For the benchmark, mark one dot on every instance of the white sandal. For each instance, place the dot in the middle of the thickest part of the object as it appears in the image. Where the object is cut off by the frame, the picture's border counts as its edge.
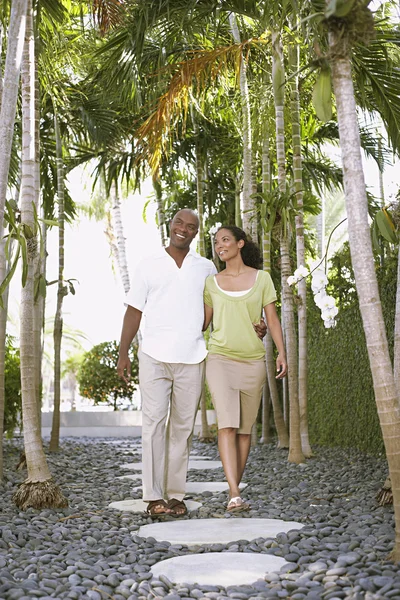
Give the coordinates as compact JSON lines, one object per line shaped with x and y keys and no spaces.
{"x":236,"y":504}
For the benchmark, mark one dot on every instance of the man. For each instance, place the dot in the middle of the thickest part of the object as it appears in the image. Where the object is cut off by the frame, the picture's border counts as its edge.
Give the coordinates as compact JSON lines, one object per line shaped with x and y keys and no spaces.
{"x":168,"y":290}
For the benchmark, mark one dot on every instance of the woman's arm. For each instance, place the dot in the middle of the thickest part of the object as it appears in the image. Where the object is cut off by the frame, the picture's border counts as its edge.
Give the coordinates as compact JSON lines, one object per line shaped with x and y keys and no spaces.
{"x":208,"y":314}
{"x":274,"y":325}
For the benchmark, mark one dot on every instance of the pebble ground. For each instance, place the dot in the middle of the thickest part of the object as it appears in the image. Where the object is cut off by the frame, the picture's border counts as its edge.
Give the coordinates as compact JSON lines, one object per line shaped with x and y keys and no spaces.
{"x":89,"y":551}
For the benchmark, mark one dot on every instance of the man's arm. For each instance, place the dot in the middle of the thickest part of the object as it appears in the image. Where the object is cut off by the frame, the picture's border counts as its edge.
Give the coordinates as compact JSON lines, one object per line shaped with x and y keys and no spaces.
{"x":208,"y":314}
{"x":130,"y":327}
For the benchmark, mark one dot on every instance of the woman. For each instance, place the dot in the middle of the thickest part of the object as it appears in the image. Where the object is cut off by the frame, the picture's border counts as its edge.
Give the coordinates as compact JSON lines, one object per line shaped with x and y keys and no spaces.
{"x":235,"y":367}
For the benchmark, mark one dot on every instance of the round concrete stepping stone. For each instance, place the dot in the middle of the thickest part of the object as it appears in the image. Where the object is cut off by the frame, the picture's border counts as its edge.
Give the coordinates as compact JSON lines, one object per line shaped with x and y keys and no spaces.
{"x":205,"y":464}
{"x":225,"y":569}
{"x":198,"y":457}
{"x":140,"y":505}
{"x":195,"y":464}
{"x":216,"y":531}
{"x":195,"y":487}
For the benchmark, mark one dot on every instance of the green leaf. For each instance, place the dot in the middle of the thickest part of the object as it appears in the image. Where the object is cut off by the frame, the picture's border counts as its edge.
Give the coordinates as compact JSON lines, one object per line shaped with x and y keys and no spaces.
{"x":375,"y":238}
{"x":50,"y":222}
{"x":42,"y":286}
{"x":9,"y":276}
{"x":322,"y":95}
{"x":386,"y":226}
{"x":24,"y":251}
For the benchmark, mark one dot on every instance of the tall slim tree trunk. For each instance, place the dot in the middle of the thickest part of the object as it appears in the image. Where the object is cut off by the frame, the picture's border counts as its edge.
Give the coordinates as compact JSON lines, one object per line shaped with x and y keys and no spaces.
{"x":295,"y":451}
{"x":119,"y":234}
{"x":3,"y":310}
{"x":300,"y":247}
{"x":38,"y":490}
{"x":200,"y":180}
{"x":58,"y":320}
{"x":249,"y":215}
{"x":40,"y":270}
{"x":270,"y":395}
{"x":386,"y":397}
{"x":396,"y":358}
{"x":15,"y":44}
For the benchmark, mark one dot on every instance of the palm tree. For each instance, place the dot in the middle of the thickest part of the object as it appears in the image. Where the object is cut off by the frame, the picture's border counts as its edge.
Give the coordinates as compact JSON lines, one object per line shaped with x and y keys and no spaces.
{"x":294,"y":62}
{"x":61,"y":290}
{"x":249,"y":210}
{"x":386,"y":396}
{"x":38,"y":490}
{"x":295,"y":451}
{"x":15,"y":37}
{"x":272,"y":393}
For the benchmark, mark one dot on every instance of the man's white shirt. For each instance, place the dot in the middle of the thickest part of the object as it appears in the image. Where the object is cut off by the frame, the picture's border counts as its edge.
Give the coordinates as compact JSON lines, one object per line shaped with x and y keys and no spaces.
{"x":171,"y":300}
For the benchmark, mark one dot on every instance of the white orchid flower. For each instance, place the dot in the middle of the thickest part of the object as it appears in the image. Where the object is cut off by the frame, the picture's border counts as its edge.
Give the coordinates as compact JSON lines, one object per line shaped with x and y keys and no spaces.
{"x":301,"y":272}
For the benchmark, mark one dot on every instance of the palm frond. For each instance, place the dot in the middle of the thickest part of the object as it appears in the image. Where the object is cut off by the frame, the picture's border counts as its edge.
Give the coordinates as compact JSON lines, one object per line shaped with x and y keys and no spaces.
{"x":107,"y":13}
{"x":377,"y":73}
{"x":154,"y":135}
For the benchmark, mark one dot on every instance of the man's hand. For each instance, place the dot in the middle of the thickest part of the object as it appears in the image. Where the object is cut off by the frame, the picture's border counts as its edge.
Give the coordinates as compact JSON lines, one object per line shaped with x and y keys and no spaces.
{"x":124,"y":368}
{"x":260,"y":328}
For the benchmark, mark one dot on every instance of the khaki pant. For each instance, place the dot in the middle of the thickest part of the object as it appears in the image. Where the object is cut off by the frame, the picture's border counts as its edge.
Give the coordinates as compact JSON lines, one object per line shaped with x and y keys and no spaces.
{"x":169,"y":391}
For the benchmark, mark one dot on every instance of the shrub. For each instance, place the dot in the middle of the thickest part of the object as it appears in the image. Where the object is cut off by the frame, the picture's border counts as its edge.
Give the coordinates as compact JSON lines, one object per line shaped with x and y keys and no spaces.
{"x":98,"y":379}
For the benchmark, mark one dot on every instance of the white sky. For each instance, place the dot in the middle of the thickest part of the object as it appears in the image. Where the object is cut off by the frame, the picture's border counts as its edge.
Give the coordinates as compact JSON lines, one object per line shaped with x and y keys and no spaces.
{"x":97,"y":307}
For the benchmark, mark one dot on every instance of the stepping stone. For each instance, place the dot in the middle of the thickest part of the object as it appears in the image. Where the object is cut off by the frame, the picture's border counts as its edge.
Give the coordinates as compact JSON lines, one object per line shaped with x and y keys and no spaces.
{"x":195,"y":487}
{"x":195,"y":464}
{"x":225,"y":569}
{"x":198,"y":457}
{"x":140,"y":505}
{"x":205,"y":464}
{"x":216,"y":531}
{"x":137,"y":476}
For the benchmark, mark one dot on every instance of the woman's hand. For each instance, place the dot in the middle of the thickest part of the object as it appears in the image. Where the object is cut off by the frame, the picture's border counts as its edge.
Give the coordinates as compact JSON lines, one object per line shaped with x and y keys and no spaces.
{"x":281,"y":366}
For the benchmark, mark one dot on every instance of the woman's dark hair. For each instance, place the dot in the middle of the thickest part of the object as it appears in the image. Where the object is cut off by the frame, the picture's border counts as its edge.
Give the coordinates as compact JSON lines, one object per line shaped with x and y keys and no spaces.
{"x":251,"y":254}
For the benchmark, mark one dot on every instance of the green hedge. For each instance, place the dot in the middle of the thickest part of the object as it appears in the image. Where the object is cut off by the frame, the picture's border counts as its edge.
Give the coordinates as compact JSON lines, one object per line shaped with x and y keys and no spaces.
{"x":341,"y":404}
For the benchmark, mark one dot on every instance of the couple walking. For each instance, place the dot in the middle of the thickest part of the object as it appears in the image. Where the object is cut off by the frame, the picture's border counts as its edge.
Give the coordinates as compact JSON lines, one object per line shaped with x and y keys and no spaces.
{"x":178,"y":293}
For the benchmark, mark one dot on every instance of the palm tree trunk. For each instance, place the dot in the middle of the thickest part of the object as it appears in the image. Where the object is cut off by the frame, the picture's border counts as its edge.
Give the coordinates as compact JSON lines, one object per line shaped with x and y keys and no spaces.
{"x":272,"y":395}
{"x":249,"y":206}
{"x":58,"y":320}
{"x":15,"y":37}
{"x":3,"y":310}
{"x":200,"y":179}
{"x":39,"y":302}
{"x":364,"y":271}
{"x":294,"y":60}
{"x":295,"y":451}
{"x":119,"y":233}
{"x":3,"y":329}
{"x":396,"y":358}
{"x":38,"y":490}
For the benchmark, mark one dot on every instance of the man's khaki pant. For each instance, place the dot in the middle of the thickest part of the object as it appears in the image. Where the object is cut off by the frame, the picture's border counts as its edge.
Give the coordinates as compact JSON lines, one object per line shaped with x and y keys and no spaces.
{"x":169,"y":391}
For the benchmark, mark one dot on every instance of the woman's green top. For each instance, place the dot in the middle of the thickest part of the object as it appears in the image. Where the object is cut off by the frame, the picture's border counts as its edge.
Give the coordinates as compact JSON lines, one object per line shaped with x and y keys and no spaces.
{"x":233,"y":334}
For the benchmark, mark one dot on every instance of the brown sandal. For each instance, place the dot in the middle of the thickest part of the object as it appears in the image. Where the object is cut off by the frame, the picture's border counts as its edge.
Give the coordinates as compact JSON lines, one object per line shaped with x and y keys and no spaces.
{"x":174,"y":505}
{"x":153,"y":513}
